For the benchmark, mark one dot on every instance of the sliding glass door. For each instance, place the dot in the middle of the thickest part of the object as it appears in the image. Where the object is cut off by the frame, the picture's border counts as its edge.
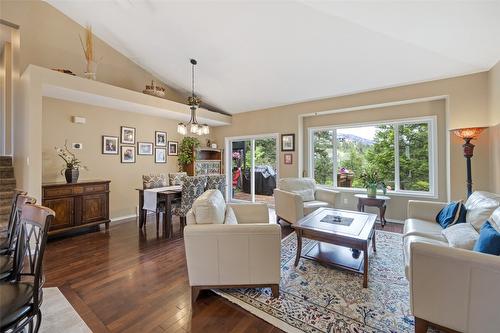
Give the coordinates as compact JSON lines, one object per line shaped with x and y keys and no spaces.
{"x":253,"y":168}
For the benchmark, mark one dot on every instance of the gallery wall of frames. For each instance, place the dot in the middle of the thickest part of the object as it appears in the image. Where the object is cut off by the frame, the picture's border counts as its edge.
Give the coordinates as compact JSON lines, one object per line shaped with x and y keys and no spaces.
{"x":128,"y":148}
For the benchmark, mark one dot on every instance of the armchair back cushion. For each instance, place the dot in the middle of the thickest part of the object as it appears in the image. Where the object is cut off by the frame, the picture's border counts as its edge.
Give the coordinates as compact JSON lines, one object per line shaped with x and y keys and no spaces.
{"x":209,"y":208}
{"x":304,"y":187}
{"x":480,"y":206}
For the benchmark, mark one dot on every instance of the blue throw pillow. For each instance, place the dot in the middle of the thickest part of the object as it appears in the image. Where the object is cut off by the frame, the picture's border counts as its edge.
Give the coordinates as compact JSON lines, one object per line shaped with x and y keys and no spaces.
{"x":488,"y":241}
{"x":453,"y":213}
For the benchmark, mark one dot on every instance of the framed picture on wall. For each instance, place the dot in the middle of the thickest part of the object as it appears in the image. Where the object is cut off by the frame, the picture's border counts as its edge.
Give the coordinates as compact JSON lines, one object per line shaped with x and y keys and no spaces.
{"x":287,"y":142}
{"x":160,"y":155}
{"x":109,"y":145}
{"x":127,"y":135}
{"x":161,"y":139}
{"x":172,"y":148}
{"x":144,"y":148}
{"x":288,"y":158}
{"x":127,"y":154}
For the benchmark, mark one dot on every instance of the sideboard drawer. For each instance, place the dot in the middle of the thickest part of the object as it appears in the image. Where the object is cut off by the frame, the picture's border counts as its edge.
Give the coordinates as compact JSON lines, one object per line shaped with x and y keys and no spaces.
{"x":57,"y":192}
{"x":95,"y":188}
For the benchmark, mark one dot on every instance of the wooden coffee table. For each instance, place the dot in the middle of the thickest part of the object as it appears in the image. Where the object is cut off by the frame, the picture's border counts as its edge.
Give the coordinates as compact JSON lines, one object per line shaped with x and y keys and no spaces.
{"x":342,"y":235}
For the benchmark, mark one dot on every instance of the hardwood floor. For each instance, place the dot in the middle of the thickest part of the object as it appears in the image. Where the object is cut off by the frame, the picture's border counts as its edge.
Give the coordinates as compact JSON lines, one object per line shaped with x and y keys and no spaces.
{"x":125,"y":280}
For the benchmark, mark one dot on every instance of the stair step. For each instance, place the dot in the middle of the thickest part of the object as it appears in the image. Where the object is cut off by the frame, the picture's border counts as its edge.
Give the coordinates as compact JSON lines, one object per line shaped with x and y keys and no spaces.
{"x":5,"y":210}
{"x":6,"y":195}
{"x":5,"y":160}
{"x":6,"y":172}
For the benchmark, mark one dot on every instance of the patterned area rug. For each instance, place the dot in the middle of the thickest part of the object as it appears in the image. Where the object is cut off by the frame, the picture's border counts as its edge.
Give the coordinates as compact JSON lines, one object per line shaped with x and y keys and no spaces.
{"x":315,"y":298}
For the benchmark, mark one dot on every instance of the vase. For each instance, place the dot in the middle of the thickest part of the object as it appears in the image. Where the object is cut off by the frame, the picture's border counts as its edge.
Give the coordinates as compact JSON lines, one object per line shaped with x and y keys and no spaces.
{"x":371,"y":191}
{"x":71,"y":175}
{"x":91,"y":69}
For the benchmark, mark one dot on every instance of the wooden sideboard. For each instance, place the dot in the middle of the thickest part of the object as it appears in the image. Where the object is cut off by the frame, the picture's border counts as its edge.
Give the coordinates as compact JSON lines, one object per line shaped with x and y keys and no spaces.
{"x":77,"y":205}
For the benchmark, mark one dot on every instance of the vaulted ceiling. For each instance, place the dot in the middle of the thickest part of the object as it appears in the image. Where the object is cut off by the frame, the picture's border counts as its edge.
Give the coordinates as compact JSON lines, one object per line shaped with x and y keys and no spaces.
{"x":259,"y":54}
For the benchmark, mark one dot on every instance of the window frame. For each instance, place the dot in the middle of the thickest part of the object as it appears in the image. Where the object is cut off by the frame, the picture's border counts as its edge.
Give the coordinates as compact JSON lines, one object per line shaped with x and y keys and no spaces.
{"x":433,"y":154}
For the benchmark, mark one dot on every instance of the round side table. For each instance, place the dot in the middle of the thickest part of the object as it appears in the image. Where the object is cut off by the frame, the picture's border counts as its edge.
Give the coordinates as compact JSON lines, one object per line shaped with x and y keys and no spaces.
{"x":379,"y":201}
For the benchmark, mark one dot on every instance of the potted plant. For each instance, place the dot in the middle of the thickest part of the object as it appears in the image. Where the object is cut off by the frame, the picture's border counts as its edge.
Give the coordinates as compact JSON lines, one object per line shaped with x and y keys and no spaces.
{"x":371,"y":181}
{"x":73,"y":164}
{"x":186,"y":152}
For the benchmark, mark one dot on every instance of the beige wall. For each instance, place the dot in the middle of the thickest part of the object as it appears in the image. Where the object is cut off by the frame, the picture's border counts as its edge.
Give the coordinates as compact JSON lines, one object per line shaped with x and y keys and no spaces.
{"x":57,"y":127}
{"x":50,"y":39}
{"x":466,"y":105}
{"x":494,"y":131}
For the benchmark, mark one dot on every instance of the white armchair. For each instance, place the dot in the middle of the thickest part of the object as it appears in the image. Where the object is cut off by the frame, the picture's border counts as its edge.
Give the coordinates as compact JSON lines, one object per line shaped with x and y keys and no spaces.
{"x":296,"y":197}
{"x":246,"y":254}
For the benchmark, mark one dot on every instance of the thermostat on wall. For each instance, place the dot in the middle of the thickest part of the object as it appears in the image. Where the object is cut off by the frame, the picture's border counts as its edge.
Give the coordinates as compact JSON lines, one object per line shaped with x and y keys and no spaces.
{"x":78,"y":120}
{"x":77,"y":146}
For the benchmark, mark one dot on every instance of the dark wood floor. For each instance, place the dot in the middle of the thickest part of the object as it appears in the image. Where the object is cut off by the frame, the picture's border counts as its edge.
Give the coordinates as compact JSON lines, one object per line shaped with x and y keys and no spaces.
{"x":125,"y":280}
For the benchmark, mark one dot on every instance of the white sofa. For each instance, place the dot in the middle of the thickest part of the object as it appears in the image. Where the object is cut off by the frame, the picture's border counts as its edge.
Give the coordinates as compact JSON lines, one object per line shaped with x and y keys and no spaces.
{"x":451,"y":287}
{"x":219,"y":255}
{"x":296,"y":197}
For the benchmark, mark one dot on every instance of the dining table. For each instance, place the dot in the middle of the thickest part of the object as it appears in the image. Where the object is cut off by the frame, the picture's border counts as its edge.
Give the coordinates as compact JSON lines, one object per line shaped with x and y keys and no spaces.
{"x":167,"y":197}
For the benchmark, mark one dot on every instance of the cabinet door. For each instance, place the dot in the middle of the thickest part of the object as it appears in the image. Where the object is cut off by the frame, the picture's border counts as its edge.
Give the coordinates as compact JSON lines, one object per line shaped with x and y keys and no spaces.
{"x":94,"y":207}
{"x":64,"y":209}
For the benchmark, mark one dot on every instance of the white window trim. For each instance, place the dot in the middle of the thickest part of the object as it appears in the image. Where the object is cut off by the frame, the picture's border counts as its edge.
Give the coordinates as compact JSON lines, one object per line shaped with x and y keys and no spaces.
{"x":433,"y":154}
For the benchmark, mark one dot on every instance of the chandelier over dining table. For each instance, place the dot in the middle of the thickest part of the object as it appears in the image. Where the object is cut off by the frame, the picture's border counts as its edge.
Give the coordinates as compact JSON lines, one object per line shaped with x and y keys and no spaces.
{"x":194,"y":103}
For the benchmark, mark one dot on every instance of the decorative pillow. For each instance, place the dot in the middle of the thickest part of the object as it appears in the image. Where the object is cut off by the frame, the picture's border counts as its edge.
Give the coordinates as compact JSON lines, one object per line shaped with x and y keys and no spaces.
{"x":307,"y":195}
{"x":209,"y":208}
{"x":480,"y":205}
{"x":230,"y":216}
{"x":454,"y":212}
{"x":489,"y":240}
{"x":461,"y":235}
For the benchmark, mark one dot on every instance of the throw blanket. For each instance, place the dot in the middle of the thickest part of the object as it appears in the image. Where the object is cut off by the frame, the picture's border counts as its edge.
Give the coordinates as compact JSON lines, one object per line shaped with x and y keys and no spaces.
{"x":151,"y":196}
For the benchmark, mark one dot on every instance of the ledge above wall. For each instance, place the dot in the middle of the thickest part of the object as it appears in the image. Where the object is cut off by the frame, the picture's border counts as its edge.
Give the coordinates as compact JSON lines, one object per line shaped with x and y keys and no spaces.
{"x":76,"y":89}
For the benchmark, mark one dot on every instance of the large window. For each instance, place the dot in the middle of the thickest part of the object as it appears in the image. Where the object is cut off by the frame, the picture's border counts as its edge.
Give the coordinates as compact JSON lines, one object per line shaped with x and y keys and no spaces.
{"x":400,"y":151}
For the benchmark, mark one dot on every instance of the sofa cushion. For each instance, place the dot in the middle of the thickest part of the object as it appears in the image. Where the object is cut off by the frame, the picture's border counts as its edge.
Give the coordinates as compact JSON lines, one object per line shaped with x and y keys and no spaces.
{"x":209,"y":208}
{"x":230,"y":216}
{"x":489,"y":240}
{"x":461,"y":235}
{"x":495,"y":219}
{"x":304,"y":187}
{"x":453,"y":212}
{"x":311,"y":206}
{"x":408,"y":240}
{"x":423,"y":228}
{"x":480,"y":206}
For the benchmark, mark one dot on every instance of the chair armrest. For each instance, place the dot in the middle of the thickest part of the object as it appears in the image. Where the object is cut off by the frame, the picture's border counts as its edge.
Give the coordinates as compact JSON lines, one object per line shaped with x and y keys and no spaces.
{"x":251,"y":213}
{"x":239,"y":254}
{"x":424,"y":210}
{"x":289,"y":206}
{"x":326,"y":195}
{"x":455,"y":288}
{"x":190,"y":219}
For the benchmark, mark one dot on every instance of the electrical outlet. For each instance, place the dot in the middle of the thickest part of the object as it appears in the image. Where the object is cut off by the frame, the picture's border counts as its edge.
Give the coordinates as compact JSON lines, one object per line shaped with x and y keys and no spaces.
{"x":77,"y":146}
{"x":345,"y":201}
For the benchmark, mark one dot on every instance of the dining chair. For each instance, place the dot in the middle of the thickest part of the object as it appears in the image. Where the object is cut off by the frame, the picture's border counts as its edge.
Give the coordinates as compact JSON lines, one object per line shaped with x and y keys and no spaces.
{"x":22,"y":297}
{"x":217,"y":182}
{"x":5,"y":236}
{"x":192,"y":188}
{"x":155,"y":181}
{"x":175,"y":178}
{"x":8,"y":245}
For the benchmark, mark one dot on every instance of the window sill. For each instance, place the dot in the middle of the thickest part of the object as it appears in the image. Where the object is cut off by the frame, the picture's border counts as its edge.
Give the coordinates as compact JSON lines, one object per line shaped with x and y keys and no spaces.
{"x":389,"y":193}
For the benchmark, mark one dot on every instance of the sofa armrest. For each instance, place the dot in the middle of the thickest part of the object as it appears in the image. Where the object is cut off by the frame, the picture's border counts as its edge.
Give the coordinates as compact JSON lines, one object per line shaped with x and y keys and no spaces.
{"x":239,"y":254}
{"x":424,"y":210}
{"x":289,"y":206}
{"x":455,"y":288}
{"x":326,"y":195}
{"x":251,"y":213}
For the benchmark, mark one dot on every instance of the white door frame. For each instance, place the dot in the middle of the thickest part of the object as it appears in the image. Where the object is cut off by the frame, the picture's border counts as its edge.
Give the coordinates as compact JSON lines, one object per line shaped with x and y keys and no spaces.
{"x":228,"y":160}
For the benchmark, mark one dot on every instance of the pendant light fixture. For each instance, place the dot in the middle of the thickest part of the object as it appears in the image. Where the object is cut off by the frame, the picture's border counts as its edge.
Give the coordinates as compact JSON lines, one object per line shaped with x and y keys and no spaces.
{"x":194,"y":103}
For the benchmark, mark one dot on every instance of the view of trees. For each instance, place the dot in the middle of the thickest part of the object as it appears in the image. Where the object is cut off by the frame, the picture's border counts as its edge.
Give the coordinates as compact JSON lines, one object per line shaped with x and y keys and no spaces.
{"x":356,"y":153}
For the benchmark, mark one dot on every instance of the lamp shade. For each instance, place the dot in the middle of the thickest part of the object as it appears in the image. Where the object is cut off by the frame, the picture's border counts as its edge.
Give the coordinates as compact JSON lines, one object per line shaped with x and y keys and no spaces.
{"x":468,"y":132}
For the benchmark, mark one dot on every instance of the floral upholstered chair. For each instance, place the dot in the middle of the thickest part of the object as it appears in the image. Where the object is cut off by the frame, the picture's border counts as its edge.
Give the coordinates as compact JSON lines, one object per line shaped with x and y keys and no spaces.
{"x":192,"y":188}
{"x":155,"y":181}
{"x":217,"y":182}
{"x":175,"y":178}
